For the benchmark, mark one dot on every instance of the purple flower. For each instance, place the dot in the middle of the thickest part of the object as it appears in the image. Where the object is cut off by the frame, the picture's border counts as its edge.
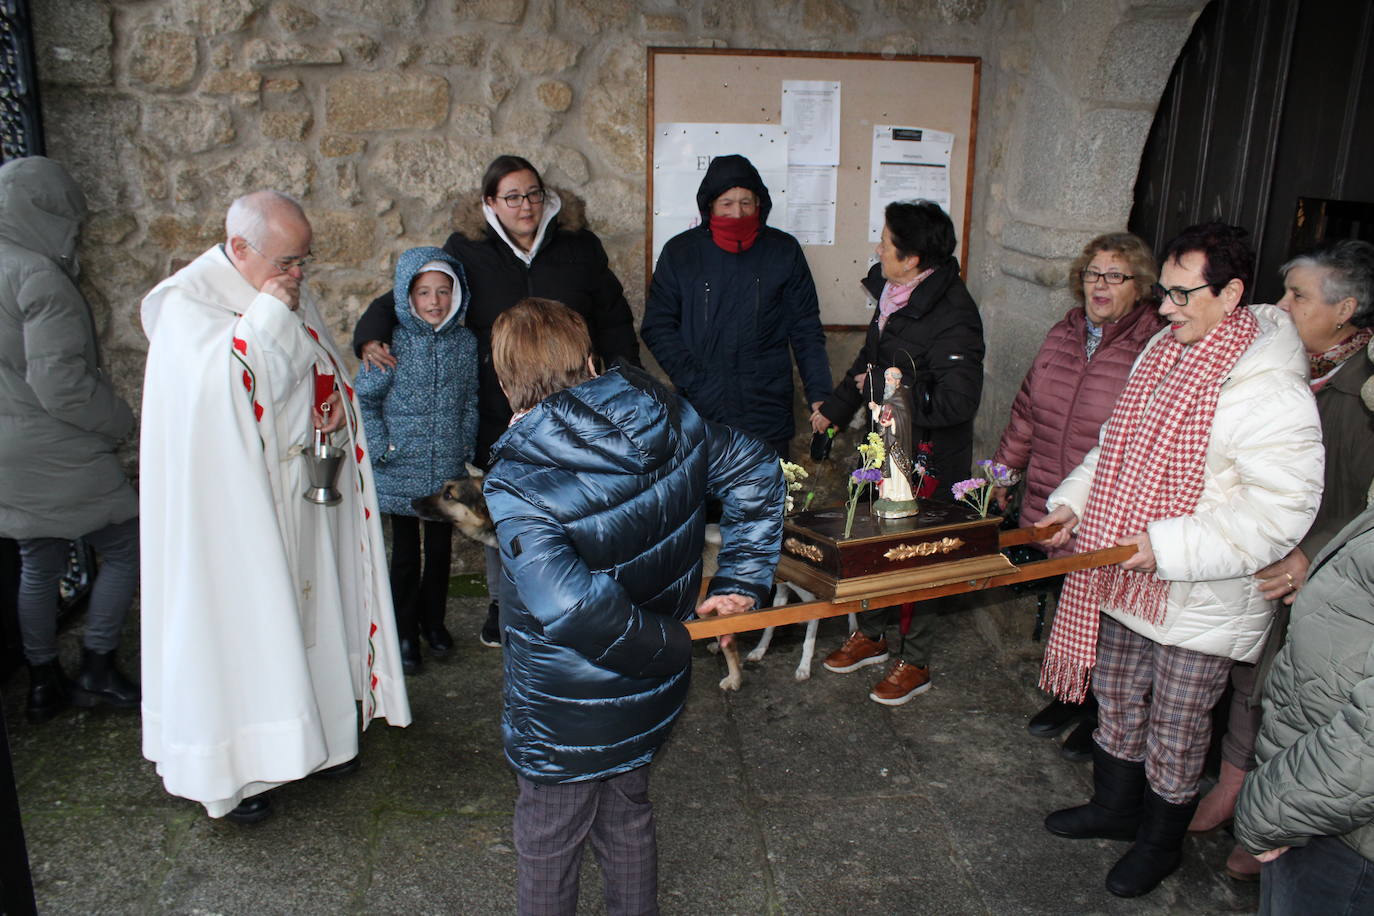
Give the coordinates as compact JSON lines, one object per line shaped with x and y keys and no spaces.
{"x":867,"y":475}
{"x":965,"y":487}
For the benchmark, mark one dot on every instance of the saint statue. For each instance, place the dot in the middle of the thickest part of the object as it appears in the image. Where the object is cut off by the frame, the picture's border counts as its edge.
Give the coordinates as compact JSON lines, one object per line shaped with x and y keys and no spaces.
{"x":897,"y":498}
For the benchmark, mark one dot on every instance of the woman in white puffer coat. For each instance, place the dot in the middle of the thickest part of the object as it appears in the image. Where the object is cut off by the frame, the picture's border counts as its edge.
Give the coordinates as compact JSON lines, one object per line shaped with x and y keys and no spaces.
{"x":1211,"y":466}
{"x":1261,"y":486}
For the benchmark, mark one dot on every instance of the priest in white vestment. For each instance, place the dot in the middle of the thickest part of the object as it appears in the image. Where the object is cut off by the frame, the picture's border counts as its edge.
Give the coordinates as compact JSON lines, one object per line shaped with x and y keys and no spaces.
{"x":266,"y":619}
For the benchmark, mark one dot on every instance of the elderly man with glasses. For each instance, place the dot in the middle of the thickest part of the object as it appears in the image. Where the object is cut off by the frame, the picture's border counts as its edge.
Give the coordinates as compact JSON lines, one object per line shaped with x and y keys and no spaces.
{"x":266,"y":618}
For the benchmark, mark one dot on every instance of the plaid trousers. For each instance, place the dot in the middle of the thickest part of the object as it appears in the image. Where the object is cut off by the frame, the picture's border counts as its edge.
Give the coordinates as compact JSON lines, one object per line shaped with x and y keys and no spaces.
{"x":554,"y":822}
{"x":1155,"y":704}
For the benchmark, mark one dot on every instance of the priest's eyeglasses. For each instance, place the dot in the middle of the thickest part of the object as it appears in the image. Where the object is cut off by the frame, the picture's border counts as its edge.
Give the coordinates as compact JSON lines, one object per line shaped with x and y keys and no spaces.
{"x":285,"y":265}
{"x":536,"y":196}
{"x":1113,"y":277}
{"x":1177,"y":296}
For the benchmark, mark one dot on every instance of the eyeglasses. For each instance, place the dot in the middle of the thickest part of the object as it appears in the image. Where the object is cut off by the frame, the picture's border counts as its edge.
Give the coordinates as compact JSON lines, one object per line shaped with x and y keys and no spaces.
{"x":285,"y":265}
{"x":534,"y":197}
{"x":1177,"y":296}
{"x":1113,"y":277}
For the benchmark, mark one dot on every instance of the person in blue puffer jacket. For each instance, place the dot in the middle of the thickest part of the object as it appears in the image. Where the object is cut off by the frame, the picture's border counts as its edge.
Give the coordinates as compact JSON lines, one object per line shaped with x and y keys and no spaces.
{"x":421,"y":417}
{"x":598,"y":493}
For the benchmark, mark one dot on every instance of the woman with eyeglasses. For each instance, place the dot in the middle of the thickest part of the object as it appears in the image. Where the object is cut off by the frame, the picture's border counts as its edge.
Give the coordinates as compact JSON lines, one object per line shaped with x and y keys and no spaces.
{"x":518,"y":238}
{"x":1210,"y":466}
{"x":1329,"y":293}
{"x":1068,"y":394}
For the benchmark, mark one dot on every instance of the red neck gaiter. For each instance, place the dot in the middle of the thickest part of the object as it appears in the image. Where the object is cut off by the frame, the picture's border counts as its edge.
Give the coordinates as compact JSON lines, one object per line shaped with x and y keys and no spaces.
{"x":735,"y":234}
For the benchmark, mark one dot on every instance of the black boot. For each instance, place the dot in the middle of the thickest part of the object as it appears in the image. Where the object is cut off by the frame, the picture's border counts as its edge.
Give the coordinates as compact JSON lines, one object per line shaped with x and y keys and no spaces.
{"x":47,"y":691}
{"x":1158,"y":848}
{"x":101,"y":682}
{"x":1078,"y":747}
{"x":1054,"y":718}
{"x":410,"y":654}
{"x":491,"y":630}
{"x":1114,"y":811}
{"x":439,"y":638}
{"x":1058,"y":715}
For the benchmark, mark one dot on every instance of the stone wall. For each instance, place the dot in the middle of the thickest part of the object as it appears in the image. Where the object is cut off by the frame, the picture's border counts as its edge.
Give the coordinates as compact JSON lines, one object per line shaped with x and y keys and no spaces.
{"x":381,"y":115}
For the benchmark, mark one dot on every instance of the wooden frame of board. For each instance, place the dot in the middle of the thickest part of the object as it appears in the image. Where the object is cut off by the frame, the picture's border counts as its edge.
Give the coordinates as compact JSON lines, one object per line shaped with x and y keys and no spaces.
{"x":729,"y":85}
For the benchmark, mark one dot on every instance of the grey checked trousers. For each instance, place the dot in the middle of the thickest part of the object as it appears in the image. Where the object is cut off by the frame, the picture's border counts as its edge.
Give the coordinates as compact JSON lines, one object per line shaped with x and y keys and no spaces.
{"x":1154,"y":703}
{"x":553,"y":823}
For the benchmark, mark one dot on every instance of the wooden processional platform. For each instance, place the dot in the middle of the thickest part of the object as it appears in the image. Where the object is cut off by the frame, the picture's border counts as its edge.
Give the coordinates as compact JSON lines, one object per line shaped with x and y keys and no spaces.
{"x":850,"y":575}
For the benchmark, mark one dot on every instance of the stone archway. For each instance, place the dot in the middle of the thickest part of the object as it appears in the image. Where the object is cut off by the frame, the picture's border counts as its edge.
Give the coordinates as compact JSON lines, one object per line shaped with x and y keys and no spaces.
{"x":1074,"y":93}
{"x":1058,"y":168}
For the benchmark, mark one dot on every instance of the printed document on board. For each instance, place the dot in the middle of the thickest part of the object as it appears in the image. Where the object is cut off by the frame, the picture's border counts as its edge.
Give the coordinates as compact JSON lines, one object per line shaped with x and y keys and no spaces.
{"x":682,"y":153}
{"x":909,"y":163}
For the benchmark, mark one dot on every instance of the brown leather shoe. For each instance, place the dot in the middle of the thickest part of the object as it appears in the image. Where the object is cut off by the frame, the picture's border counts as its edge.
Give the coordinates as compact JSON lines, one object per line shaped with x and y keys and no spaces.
{"x":901,"y":684}
{"x":857,"y":652}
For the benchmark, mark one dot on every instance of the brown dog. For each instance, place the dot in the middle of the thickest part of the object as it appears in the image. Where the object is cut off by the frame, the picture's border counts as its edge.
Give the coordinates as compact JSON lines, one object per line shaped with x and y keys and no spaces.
{"x":460,"y":502}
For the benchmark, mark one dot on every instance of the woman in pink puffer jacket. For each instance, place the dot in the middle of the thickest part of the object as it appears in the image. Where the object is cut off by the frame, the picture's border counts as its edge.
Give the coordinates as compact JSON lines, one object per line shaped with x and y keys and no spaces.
{"x":1081,"y":368}
{"x":1069,"y":393}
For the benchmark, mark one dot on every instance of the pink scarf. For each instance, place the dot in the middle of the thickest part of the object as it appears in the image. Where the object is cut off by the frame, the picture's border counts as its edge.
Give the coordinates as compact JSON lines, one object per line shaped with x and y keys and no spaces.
{"x":895,"y":297}
{"x":1150,"y":467}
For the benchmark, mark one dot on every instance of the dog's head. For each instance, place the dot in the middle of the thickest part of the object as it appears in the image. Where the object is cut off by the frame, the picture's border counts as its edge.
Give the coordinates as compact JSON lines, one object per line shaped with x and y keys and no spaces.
{"x":460,"y":502}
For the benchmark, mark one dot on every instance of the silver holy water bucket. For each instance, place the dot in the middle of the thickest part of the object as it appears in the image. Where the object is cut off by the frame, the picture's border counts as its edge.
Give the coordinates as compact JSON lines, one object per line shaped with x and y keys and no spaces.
{"x":322,"y":462}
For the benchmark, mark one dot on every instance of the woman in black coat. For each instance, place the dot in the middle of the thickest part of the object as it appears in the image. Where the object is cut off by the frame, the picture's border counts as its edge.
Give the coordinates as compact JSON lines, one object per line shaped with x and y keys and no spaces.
{"x":926,"y":325}
{"x":521,"y":239}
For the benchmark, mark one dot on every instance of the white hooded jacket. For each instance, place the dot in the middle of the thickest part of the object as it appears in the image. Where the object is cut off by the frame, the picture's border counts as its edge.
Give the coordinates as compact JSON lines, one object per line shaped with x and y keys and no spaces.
{"x":1261,"y":487}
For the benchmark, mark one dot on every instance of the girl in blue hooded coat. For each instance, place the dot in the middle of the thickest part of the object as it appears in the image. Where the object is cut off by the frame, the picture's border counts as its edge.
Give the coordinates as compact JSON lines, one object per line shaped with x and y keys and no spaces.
{"x":421,"y":417}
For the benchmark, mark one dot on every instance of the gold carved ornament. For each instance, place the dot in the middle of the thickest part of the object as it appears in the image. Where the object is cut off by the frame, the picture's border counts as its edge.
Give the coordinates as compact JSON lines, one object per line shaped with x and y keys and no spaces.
{"x":802,"y":549}
{"x":924,"y":549}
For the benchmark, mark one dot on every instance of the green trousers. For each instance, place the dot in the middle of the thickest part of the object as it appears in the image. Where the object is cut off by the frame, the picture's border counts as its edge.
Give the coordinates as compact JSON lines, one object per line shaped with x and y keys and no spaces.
{"x":886,"y":621}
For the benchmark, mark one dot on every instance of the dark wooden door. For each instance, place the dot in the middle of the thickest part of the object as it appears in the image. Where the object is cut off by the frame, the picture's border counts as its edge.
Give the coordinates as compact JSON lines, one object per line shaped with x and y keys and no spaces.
{"x":1268,"y":116}
{"x":21,"y":127}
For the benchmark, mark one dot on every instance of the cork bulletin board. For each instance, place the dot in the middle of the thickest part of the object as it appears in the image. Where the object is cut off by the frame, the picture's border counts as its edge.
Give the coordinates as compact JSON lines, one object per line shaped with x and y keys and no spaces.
{"x":715,"y":86}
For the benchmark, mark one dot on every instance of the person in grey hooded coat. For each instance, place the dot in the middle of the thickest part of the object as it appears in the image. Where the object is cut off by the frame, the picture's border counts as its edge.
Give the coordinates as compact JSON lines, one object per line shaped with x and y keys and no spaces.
{"x":1307,"y":811}
{"x":60,"y":421}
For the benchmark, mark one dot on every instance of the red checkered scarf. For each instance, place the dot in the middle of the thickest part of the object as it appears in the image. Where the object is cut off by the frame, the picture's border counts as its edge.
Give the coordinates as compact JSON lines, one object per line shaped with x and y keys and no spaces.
{"x":1150,"y":467}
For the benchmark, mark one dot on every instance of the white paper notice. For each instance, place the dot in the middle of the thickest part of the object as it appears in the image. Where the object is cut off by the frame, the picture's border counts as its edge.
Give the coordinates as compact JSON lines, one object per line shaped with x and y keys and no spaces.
{"x":811,"y":203}
{"x":909,"y":163}
{"x":682,"y":152}
{"x":811,"y":115}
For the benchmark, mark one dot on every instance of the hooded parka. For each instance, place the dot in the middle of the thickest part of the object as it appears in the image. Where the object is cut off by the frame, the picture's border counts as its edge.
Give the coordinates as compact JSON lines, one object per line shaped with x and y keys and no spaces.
{"x":597,"y":494}
{"x":723,"y":323}
{"x":421,"y":416}
{"x":567,"y":263}
{"x":1316,"y":746}
{"x":936,"y":339}
{"x":60,"y":419}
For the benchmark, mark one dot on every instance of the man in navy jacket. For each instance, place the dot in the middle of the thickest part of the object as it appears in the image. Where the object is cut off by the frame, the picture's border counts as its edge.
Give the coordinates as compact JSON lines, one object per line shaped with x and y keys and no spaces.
{"x":728,"y":299}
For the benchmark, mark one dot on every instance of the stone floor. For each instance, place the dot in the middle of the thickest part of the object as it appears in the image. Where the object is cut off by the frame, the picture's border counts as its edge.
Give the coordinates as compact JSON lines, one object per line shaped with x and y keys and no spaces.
{"x":785,"y":798}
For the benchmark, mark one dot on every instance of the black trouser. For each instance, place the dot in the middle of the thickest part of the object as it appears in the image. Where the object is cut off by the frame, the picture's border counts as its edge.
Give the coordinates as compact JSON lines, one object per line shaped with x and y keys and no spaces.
{"x":420,"y":597}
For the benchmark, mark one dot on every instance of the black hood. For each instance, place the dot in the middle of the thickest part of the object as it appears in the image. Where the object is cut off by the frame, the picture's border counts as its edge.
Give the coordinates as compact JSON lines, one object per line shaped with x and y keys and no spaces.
{"x":726,"y":172}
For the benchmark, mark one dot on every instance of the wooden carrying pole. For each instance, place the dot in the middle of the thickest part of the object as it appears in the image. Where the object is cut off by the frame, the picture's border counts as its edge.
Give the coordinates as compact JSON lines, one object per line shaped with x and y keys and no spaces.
{"x":712,"y":627}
